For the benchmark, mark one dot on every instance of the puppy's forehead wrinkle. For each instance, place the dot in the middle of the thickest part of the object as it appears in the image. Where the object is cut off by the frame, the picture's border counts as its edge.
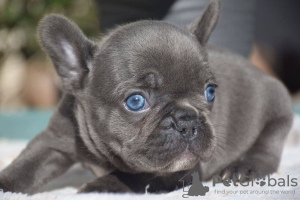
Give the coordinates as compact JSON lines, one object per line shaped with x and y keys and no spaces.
{"x":186,"y":104}
{"x":146,"y":80}
{"x":121,"y":88}
{"x":150,"y":80}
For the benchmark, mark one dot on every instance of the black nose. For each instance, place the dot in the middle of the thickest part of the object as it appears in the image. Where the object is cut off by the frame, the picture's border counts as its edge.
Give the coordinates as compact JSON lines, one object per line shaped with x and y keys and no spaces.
{"x":186,"y":123}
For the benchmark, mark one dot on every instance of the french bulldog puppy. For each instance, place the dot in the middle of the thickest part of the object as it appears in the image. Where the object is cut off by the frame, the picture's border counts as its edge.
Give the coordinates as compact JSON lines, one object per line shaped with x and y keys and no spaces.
{"x":149,"y":104}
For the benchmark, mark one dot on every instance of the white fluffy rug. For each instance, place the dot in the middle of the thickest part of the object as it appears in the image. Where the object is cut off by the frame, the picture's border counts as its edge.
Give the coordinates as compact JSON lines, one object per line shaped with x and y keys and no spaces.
{"x":65,"y":186}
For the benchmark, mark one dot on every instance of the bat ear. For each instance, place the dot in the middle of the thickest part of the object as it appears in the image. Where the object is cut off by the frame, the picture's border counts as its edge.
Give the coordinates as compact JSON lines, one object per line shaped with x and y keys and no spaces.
{"x":70,"y":51}
{"x":205,"y":24}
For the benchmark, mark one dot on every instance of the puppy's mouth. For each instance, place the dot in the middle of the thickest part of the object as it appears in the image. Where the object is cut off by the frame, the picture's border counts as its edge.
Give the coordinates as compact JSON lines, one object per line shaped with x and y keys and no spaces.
{"x":183,"y":161}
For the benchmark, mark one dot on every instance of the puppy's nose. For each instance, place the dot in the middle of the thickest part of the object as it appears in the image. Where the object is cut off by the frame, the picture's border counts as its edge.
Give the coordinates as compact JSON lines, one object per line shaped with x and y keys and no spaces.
{"x":187,"y":124}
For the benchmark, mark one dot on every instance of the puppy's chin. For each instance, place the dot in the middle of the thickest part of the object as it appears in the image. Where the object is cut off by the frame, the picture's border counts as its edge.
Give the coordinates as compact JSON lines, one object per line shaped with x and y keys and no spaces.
{"x":185,"y":161}
{"x":189,"y":158}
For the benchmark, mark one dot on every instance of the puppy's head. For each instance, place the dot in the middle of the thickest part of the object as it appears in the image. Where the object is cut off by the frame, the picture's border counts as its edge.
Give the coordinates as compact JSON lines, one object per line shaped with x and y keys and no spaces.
{"x":143,"y":93}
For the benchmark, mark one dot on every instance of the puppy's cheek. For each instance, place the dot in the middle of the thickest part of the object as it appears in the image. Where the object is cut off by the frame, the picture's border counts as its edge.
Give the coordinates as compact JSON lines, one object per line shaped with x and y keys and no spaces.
{"x":135,"y":149}
{"x":121,"y":135}
{"x":119,"y":125}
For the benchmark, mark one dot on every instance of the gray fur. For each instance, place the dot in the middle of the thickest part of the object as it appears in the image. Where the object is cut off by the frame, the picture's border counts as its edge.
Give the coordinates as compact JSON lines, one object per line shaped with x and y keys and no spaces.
{"x":242,"y":132}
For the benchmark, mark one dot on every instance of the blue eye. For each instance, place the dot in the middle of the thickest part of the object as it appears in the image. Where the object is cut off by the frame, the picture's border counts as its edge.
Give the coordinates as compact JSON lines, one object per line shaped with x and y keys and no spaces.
{"x":210,"y":93}
{"x":135,"y":102}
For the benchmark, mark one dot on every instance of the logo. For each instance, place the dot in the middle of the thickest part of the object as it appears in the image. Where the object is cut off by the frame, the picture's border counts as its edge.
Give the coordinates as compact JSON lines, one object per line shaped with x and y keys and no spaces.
{"x":196,"y":188}
{"x":244,"y":181}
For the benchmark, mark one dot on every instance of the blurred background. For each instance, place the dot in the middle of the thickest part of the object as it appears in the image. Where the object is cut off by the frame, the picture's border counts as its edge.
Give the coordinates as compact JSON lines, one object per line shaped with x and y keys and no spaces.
{"x":265,"y":32}
{"x":29,"y":88}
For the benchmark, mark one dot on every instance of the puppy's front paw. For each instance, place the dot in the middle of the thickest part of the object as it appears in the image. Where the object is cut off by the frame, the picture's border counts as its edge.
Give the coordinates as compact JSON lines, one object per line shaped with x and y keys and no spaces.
{"x":241,"y":172}
{"x":104,"y":184}
{"x":92,"y":187}
{"x":88,"y":188}
{"x":247,"y":170}
{"x":3,"y":187}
